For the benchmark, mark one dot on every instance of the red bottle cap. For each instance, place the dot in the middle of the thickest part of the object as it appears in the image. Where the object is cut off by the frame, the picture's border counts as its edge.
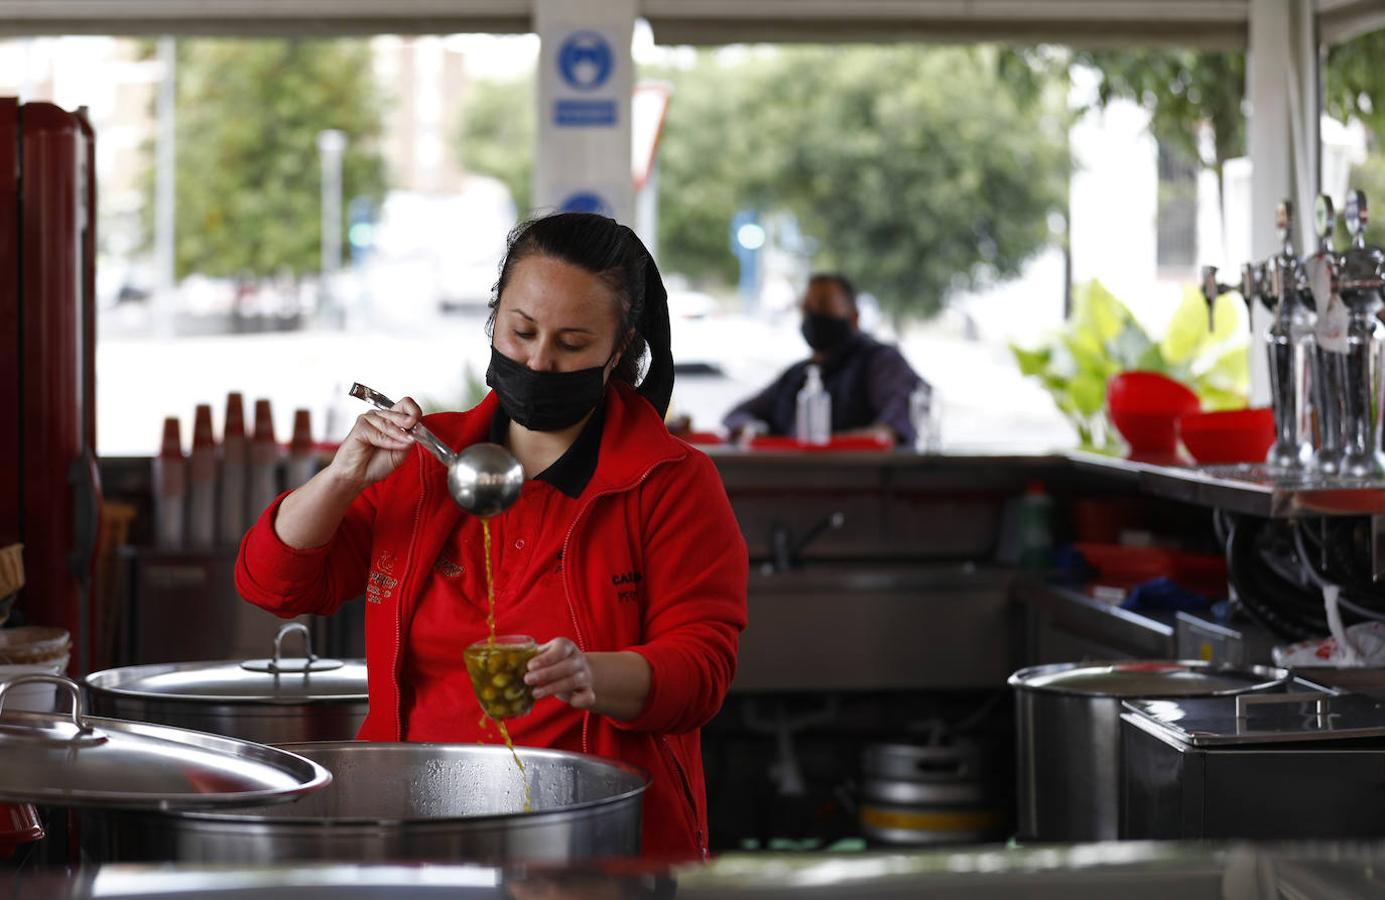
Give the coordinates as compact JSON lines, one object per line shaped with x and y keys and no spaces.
{"x":172,"y":441}
{"x":264,"y":422}
{"x":302,"y":432}
{"x":202,"y":427}
{"x":235,"y":416}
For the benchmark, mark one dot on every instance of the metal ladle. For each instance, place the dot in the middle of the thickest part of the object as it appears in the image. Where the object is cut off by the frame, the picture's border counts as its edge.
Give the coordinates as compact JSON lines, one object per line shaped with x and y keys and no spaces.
{"x":484,"y":479}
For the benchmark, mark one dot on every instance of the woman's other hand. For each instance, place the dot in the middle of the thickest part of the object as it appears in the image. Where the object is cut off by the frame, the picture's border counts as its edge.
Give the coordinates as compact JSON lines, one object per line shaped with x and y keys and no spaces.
{"x":562,"y":670}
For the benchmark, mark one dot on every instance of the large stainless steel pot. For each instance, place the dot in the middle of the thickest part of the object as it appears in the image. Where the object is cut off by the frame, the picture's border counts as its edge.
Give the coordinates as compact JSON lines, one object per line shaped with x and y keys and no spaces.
{"x":269,"y":701}
{"x":411,"y":802}
{"x":1068,"y":718}
{"x":83,"y":762}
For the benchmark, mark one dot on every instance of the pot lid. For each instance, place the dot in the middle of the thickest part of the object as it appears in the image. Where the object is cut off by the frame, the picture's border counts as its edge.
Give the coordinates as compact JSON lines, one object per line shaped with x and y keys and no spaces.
{"x":277,"y":679}
{"x":76,"y":760}
{"x":1146,"y":679}
{"x":1263,"y":719}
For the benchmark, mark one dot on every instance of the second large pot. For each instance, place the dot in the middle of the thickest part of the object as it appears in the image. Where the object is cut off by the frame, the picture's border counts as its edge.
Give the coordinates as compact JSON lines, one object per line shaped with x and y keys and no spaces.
{"x":276,"y":700}
{"x":1068,"y":731}
{"x":390,"y":802}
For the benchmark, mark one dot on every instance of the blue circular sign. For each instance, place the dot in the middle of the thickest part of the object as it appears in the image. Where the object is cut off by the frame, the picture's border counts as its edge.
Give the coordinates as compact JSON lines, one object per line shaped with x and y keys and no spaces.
{"x":585,"y":60}
{"x":588,"y":202}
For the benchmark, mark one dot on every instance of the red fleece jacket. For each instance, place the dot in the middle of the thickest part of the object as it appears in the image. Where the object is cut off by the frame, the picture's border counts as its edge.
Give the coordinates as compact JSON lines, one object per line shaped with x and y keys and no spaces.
{"x":654,"y":506}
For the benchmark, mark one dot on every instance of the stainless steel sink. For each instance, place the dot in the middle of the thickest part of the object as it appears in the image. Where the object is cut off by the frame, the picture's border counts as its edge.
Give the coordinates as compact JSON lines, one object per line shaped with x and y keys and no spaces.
{"x":877,"y":627}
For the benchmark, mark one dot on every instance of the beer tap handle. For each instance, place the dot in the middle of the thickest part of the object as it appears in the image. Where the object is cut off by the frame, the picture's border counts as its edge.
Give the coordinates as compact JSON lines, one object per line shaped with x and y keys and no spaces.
{"x":1362,"y":264}
{"x":1212,"y":289}
{"x":1289,"y":280}
{"x":1325,"y":223}
{"x":1357,"y":217}
{"x":1284,"y":224}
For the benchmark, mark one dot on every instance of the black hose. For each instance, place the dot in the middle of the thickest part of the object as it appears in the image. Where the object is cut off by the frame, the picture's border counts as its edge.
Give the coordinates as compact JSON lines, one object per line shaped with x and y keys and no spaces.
{"x":1277,"y":606}
{"x":1350,"y":600}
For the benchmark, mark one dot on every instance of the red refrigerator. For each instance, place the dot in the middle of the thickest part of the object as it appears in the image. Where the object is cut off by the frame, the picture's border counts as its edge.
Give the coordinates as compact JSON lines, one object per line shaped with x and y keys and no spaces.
{"x":49,"y":489}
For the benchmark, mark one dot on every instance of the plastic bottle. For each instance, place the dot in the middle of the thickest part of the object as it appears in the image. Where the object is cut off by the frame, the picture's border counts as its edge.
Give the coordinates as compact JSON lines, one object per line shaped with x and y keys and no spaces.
{"x":170,"y":488}
{"x":1034,"y":513}
{"x":202,"y":481}
{"x":813,"y":424}
{"x":234,"y":450}
{"x":262,"y":474}
{"x":302,"y":461}
{"x":920,"y":414}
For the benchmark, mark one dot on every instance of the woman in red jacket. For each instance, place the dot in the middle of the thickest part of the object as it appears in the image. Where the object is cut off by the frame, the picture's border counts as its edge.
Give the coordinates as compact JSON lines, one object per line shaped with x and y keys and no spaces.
{"x":621,"y":556}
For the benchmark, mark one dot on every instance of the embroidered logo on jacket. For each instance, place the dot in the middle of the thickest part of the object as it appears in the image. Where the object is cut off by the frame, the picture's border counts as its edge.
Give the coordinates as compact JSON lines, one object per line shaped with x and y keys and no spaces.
{"x":379,"y":587}
{"x":627,"y":586}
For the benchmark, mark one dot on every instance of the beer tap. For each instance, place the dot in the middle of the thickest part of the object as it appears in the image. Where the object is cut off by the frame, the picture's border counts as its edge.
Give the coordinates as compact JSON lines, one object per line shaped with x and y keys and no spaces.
{"x":1358,"y":280}
{"x":1287,"y":341}
{"x":1328,"y":343}
{"x":1251,"y":288}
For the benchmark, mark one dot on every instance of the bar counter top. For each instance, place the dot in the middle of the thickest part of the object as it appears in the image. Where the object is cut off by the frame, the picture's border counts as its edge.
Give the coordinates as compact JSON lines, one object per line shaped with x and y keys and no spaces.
{"x":1242,"y":488}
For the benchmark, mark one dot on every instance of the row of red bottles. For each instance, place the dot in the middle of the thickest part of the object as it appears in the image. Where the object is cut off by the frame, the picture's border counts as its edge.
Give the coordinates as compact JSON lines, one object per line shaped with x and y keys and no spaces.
{"x":209,"y":497}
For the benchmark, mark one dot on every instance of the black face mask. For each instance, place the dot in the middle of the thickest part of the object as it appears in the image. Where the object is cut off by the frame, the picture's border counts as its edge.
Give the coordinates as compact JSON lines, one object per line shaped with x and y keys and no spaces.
{"x":825,"y":333}
{"x":544,"y":401}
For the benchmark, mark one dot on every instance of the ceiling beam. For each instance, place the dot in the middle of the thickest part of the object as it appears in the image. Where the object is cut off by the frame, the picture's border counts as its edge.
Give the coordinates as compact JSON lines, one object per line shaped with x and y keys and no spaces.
{"x":1195,"y":23}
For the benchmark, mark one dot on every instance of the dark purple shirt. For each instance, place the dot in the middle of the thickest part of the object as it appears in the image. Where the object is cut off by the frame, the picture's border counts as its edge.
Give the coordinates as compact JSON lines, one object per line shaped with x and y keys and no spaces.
{"x":869,"y":383}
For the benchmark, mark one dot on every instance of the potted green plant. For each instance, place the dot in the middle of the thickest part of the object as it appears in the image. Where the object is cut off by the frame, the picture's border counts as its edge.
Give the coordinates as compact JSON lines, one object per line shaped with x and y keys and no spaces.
{"x":1101,"y":339}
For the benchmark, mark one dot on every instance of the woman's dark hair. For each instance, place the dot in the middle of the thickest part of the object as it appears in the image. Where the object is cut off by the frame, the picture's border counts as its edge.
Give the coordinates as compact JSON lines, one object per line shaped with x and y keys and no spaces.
{"x":614,"y":254}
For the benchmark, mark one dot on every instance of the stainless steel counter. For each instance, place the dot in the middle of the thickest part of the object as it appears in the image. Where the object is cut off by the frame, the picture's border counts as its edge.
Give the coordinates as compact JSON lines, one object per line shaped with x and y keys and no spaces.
{"x":1132,"y":871}
{"x":1063,"y":625}
{"x":1250,"y":489}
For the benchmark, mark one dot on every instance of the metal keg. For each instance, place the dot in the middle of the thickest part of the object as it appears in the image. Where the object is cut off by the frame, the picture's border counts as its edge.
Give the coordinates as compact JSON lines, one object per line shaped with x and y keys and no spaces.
{"x":923,"y":794}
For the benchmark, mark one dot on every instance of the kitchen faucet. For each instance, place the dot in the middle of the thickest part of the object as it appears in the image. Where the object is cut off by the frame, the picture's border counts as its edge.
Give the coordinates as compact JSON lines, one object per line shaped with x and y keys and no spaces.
{"x":784,"y":554}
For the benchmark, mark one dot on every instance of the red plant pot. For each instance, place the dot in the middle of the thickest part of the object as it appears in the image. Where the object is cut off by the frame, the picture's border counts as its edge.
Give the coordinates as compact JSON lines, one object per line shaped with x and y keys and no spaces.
{"x":1145,"y":408}
{"x":1231,"y":436}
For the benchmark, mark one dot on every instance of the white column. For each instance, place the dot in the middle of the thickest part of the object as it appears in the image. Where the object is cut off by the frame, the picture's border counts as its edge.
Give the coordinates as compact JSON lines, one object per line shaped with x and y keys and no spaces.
{"x":586,"y":76}
{"x":1282,"y":138}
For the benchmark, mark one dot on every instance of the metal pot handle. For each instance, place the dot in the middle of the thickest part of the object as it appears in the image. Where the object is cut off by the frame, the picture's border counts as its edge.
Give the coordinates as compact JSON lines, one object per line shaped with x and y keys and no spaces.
{"x":285,"y":631}
{"x":79,"y":720}
{"x":1321,"y":702}
{"x":311,"y":662}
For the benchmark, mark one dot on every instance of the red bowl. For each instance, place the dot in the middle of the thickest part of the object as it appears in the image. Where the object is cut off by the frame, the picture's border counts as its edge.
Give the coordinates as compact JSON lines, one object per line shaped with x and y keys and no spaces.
{"x":1231,"y":436}
{"x":1145,"y":407}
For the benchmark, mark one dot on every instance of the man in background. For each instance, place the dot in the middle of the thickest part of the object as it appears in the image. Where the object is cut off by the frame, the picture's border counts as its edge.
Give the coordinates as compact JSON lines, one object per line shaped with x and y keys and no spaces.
{"x":869,"y":382}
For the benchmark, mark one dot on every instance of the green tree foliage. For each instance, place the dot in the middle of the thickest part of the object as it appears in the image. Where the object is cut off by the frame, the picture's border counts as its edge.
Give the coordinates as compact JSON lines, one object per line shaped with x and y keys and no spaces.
{"x":496,"y":133}
{"x":921,"y":183}
{"x":1354,"y":82}
{"x":916,"y":169}
{"x":248,"y":196}
{"x":1354,"y":86}
{"x":1183,"y":90}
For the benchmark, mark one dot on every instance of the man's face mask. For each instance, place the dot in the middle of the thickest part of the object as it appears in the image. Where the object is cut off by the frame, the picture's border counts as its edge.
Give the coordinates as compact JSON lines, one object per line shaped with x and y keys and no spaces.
{"x":825,"y":333}
{"x":544,"y":401}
